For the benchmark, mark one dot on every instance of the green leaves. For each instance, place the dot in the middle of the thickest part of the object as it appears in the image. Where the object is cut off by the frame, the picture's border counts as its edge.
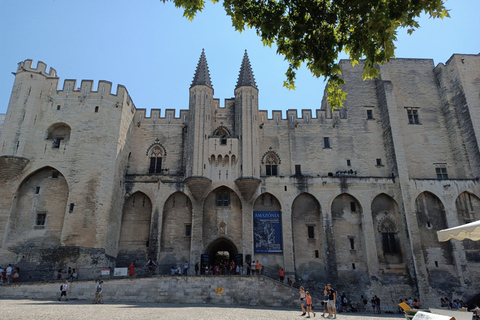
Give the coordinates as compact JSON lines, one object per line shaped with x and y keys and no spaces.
{"x":315,"y":32}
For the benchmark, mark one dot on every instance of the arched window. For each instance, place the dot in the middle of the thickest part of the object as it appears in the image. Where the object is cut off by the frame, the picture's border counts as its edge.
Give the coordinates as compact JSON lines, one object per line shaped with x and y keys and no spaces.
{"x":223,"y":133}
{"x":389,"y":241}
{"x":271,"y":165}
{"x":58,"y":132}
{"x":156,"y":154}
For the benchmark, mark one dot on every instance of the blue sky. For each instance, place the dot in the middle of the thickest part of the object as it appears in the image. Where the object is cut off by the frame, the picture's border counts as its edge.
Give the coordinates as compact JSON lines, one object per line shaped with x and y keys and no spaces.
{"x":152,"y":50}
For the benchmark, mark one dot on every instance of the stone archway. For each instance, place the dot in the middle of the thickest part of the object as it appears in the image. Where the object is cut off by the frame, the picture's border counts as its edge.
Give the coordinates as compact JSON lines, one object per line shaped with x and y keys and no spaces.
{"x":221,"y":248}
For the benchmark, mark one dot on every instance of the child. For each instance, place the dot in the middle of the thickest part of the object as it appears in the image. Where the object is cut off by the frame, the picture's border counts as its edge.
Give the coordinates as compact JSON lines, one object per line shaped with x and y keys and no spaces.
{"x":309,"y":304}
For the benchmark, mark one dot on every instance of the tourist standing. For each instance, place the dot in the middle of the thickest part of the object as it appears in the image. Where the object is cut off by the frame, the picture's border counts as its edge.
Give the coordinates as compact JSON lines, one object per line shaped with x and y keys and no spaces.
{"x":377,"y":304}
{"x":281,"y":274}
{"x":257,"y":268}
{"x":131,"y":269}
{"x":302,"y":300}
{"x":9,"y":273}
{"x":16,"y":274}
{"x":150,"y":263}
{"x":186,"y":266}
{"x":197,"y":268}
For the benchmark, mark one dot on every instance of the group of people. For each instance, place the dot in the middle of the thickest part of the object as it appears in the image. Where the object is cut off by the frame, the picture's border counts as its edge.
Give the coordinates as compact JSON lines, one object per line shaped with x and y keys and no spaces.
{"x":9,"y":275}
{"x":454,"y":304}
{"x":71,"y":274}
{"x":224,"y":267}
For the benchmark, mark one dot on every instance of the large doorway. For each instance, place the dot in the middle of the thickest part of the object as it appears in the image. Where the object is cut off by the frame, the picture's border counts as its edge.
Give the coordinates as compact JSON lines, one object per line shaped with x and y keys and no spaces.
{"x":218,"y":253}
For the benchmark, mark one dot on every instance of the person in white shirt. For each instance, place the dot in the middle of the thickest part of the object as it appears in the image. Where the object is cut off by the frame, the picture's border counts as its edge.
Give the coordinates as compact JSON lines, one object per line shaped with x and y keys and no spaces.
{"x":9,"y":273}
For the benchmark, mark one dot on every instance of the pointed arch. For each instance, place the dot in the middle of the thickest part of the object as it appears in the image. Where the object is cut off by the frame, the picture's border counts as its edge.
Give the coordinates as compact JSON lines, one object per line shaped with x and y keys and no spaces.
{"x":468,"y":210}
{"x":222,"y":131}
{"x":38,"y":211}
{"x":222,"y":215}
{"x":431,"y":217}
{"x":388,"y":229}
{"x":348,"y":249}
{"x":176,"y":231}
{"x":308,"y":237}
{"x":134,"y":240}
{"x":271,"y":161}
{"x":58,"y":132}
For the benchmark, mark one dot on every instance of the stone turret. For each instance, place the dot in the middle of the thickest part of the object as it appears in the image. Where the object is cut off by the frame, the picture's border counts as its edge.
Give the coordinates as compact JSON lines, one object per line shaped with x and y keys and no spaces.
{"x":198,"y":128}
{"x":246,"y":110}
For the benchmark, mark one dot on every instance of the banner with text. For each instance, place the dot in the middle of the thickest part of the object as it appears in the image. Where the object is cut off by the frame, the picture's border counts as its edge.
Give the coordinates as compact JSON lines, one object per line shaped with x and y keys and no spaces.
{"x":267,"y":230}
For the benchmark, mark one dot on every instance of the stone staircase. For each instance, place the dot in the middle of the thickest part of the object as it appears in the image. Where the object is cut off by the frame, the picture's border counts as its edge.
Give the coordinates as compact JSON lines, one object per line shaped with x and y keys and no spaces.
{"x":217,"y":290}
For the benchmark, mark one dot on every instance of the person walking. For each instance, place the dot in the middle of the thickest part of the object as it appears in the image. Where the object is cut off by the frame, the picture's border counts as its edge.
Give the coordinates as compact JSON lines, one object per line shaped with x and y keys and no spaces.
{"x":308,"y":298}
{"x":63,"y":291}
{"x":332,"y":295}
{"x":98,"y":293}
{"x":302,"y":300}
{"x":281,"y":274}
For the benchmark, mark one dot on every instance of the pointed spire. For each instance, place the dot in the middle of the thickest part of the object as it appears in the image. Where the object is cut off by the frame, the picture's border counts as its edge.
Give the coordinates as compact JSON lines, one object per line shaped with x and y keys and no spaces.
{"x":245,"y":78}
{"x":202,"y":75}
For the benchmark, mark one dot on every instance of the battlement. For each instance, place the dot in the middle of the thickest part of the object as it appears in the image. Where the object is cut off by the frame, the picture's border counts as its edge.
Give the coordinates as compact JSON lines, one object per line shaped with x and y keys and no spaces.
{"x":155,"y":117}
{"x":86,"y":89}
{"x":41,"y":68}
{"x":292,"y":117}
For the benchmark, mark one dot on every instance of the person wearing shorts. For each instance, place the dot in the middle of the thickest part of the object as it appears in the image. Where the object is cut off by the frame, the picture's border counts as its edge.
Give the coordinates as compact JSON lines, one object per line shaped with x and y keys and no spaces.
{"x":332,"y":295}
{"x":308,"y":298}
{"x":64,"y":289}
{"x":302,"y":300}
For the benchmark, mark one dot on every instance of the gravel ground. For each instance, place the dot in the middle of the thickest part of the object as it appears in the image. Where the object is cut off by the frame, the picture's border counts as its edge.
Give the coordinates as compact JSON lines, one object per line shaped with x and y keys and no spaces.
{"x":41,"y":309}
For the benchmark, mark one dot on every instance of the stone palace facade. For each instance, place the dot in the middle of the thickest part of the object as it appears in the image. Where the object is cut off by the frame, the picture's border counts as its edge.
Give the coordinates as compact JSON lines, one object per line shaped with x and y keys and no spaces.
{"x":352,"y":197}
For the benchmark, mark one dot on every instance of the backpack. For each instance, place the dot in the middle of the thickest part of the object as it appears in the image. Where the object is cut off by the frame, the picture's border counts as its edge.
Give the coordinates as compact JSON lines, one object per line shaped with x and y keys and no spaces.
{"x":61,"y":287}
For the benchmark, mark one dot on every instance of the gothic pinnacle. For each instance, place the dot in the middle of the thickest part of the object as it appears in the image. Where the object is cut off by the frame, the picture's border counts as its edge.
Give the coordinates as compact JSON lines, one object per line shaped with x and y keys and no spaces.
{"x":246,"y":78}
{"x":202,"y":75}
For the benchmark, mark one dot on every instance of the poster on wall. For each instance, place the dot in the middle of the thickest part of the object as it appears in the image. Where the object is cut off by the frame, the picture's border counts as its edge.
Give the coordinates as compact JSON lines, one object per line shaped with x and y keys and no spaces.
{"x":267,"y":231}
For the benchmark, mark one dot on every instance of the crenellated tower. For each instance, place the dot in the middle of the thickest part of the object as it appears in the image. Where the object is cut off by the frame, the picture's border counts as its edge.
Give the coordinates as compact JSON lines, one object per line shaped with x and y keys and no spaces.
{"x":247,"y":126}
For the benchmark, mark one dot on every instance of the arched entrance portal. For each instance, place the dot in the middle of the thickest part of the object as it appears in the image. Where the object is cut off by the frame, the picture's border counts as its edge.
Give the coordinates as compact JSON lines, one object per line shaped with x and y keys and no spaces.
{"x":218,"y":251}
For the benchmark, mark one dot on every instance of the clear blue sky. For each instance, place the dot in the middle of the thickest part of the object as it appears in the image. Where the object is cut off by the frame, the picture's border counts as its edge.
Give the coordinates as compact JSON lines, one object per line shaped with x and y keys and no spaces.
{"x":152,"y":50}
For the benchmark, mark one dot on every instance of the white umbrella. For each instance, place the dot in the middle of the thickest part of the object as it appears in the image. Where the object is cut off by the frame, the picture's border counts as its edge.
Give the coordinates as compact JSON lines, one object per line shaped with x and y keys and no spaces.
{"x":465,"y":231}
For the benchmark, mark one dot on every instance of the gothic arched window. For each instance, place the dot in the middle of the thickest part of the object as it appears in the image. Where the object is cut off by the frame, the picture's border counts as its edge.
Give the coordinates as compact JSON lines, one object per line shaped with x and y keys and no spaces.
{"x":155,"y":160}
{"x":389,"y":237}
{"x":223,"y":133}
{"x":271,"y":165}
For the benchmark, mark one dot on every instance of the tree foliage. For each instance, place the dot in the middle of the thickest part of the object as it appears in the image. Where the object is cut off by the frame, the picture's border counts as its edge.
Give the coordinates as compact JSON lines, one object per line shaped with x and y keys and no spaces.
{"x":315,"y":32}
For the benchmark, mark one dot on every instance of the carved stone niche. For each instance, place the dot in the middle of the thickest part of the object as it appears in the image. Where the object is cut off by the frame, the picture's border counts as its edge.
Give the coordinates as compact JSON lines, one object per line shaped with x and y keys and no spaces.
{"x":11,"y":166}
{"x":247,"y":186}
{"x":198,"y":186}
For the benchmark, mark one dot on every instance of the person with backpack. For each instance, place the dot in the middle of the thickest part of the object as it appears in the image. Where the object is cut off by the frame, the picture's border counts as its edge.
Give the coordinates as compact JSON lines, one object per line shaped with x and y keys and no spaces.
{"x":98,"y":293}
{"x":63,"y":291}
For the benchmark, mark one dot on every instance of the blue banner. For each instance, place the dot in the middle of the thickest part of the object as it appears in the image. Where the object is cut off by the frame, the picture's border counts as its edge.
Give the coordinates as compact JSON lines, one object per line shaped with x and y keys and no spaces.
{"x":267,"y":231}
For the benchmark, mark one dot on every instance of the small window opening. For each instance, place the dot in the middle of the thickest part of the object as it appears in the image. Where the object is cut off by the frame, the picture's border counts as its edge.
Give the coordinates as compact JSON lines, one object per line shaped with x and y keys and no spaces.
{"x":96,"y":109}
{"x":316,"y":254}
{"x":147,"y":243}
{"x":436,"y":264}
{"x":311,"y":232}
{"x":188,"y":230}
{"x":58,"y":107}
{"x":369,"y":114}
{"x":326,"y":142}
{"x":352,"y":243}
{"x":379,"y":162}
{"x":298,"y":170}
{"x":285,"y":188}
{"x":349,"y":163}
{"x":41,"y":218}
{"x":54,"y":174}
{"x":353,"y":266}
{"x":70,"y":209}
{"x":353,"y":207}
{"x":37,"y":190}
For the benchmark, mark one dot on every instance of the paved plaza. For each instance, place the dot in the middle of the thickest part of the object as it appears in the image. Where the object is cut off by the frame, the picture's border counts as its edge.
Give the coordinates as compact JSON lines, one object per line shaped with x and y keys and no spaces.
{"x":42,"y":309}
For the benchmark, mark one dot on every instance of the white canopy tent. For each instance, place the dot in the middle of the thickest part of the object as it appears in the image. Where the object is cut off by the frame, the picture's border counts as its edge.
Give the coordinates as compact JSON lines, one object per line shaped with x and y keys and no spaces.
{"x":466,"y":231}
